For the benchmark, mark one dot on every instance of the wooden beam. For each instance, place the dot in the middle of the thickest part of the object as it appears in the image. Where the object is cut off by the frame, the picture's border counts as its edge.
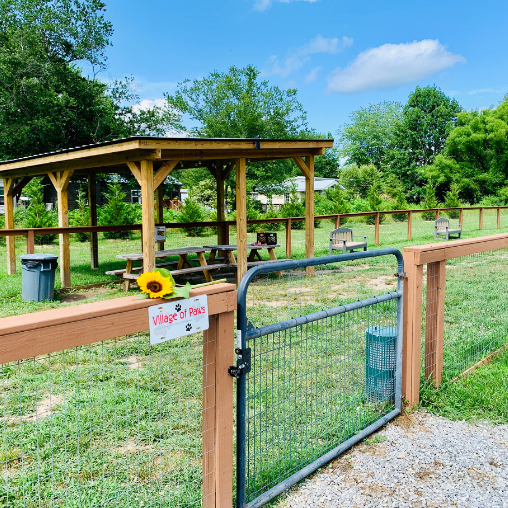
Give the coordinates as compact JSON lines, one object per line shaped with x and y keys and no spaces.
{"x":9,"y":224}
{"x":92,"y":212}
{"x":20,"y":185}
{"x":135,"y":168}
{"x":412,"y":325}
{"x":148,"y":219}
{"x":163,"y":172}
{"x":309,"y":212}
{"x":227,"y":171}
{"x":241,"y":218}
{"x":498,"y":218}
{"x":302,"y":166}
{"x":434,"y":321}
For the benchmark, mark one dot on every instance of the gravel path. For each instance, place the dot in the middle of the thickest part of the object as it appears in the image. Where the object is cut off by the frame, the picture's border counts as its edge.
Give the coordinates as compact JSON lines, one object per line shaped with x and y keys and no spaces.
{"x":427,"y":461}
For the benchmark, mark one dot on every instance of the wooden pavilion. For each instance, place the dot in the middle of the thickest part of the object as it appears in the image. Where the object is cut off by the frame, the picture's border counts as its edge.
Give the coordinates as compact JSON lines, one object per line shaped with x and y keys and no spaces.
{"x":151,"y":160}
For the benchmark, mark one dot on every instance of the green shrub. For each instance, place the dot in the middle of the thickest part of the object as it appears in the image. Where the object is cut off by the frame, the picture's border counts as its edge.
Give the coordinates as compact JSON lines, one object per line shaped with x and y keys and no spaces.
{"x":430,"y":202}
{"x":452,"y":199}
{"x":375,"y":203}
{"x":192,"y":212}
{"x":271,"y":213}
{"x":400,"y":204}
{"x":80,"y":217}
{"x":116,"y":212}
{"x":35,"y":215}
{"x":294,"y":208}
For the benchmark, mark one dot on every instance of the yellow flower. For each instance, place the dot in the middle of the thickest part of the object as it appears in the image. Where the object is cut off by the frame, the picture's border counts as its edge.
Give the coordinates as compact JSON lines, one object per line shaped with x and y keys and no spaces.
{"x":154,"y":284}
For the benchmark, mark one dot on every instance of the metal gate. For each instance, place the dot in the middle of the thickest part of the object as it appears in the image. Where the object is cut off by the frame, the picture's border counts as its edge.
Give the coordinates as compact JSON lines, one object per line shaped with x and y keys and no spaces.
{"x":313,"y":385}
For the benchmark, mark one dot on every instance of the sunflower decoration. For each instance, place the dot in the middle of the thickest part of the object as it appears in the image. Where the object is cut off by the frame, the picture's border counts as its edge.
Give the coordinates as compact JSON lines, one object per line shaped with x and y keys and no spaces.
{"x":155,"y":285}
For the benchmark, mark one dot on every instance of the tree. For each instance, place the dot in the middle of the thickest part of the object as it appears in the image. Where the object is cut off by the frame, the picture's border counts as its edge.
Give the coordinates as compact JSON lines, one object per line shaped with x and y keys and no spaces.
{"x":420,"y":135}
{"x":116,"y":212}
{"x":430,"y":201}
{"x":46,"y":103}
{"x":236,"y":104}
{"x":359,"y":179}
{"x":368,"y":136}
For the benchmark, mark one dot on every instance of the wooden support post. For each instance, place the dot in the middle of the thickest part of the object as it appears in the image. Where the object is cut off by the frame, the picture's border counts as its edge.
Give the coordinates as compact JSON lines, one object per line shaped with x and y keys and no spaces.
{"x":241,"y":218}
{"x":498,"y":218}
{"x":159,"y":193}
{"x":92,"y":207}
{"x":337,"y":222}
{"x":60,"y":180}
{"x":218,"y":412}
{"x":410,"y":225}
{"x":30,"y":242}
{"x":434,"y":321}
{"x":376,"y":229}
{"x":481,"y":219}
{"x":461,"y":217}
{"x":437,"y":214}
{"x":288,"y":238}
{"x":147,"y":211}
{"x":411,"y":349}
{"x":309,"y":213}
{"x":9,"y":224}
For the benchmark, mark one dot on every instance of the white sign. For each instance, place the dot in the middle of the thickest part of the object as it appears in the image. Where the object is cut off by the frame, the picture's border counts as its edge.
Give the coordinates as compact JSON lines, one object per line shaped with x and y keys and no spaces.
{"x":176,"y":319}
{"x":160,"y":233}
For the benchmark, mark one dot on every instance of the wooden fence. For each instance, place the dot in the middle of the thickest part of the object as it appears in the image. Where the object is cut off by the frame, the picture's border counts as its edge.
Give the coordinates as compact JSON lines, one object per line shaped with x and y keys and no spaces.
{"x":435,"y":257}
{"x":224,"y":227}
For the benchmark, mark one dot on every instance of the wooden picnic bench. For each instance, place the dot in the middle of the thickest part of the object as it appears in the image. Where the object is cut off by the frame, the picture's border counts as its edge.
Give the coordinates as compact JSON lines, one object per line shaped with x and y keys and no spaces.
{"x":443,"y":227}
{"x":343,"y":239}
{"x":181,"y":267}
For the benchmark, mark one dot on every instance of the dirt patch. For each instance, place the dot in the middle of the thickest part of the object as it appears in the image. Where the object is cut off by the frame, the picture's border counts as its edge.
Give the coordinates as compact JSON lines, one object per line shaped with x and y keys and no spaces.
{"x":132,"y":446}
{"x":382,"y":283}
{"x":44,"y":409}
{"x":73,"y":298}
{"x":133,"y":362}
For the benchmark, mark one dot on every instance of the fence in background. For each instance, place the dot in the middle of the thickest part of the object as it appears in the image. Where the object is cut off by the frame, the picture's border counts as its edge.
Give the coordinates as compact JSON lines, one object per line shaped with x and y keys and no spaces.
{"x":466,"y":308}
{"x":93,"y":415}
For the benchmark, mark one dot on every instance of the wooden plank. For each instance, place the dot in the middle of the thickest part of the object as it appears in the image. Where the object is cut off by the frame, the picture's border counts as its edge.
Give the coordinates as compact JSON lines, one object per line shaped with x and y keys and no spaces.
{"x":9,"y":224}
{"x":135,"y":168}
{"x":288,"y":238}
{"x":337,"y":222}
{"x":163,"y":172}
{"x":434,"y":321}
{"x":21,"y":185}
{"x":302,"y":166}
{"x":309,"y":213}
{"x":30,"y":242}
{"x":147,"y":213}
{"x":92,"y":209}
{"x":40,"y":333}
{"x":227,"y":171}
{"x":410,"y":225}
{"x":480,"y":219}
{"x":222,"y":327}
{"x":412,"y":316}
{"x":498,"y":218}
{"x":241,"y":218}
{"x":376,"y":229}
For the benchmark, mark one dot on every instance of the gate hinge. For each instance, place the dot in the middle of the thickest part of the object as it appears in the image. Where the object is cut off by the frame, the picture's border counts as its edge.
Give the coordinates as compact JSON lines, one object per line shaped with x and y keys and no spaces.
{"x":242,"y":363}
{"x":401,"y":275}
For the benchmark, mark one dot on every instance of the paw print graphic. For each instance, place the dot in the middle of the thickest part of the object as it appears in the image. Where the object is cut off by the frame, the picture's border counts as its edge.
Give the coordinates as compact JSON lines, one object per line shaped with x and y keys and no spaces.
{"x":178,"y":307}
{"x":188,"y":327}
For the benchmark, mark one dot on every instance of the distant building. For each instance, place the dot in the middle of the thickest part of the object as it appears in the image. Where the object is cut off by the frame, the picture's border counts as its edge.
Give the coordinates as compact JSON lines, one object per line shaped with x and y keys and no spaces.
{"x":298,"y":184}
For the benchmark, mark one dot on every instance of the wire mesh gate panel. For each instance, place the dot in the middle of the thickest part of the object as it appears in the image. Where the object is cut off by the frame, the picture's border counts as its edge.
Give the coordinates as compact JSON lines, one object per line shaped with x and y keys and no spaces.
{"x":118,"y":423}
{"x":311,"y":386}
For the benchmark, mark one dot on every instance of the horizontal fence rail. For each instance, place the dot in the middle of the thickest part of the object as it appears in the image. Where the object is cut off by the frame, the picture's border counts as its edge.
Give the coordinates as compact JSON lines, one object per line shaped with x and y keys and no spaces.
{"x":463,"y":294}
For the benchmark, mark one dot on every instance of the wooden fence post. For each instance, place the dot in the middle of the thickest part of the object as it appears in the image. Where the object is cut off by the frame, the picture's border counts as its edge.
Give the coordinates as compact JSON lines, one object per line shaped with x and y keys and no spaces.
{"x":376,"y":229}
{"x":409,"y":225}
{"x":481,"y":219}
{"x":30,"y":241}
{"x":498,"y":218}
{"x":461,"y":217}
{"x":412,"y":324}
{"x":288,"y":238}
{"x":337,"y":222}
{"x":434,"y":321}
{"x":437,"y":213}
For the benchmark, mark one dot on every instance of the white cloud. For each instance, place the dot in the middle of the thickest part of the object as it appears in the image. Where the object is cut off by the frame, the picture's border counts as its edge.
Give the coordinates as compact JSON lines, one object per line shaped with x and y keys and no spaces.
{"x":262,"y":5}
{"x":297,"y":57}
{"x":499,"y":90}
{"x":148,"y":104}
{"x":312,"y":75}
{"x":391,"y":65}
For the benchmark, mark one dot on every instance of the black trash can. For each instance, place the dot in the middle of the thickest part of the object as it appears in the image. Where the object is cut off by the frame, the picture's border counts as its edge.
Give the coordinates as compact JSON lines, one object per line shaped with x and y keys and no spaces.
{"x":38,"y":277}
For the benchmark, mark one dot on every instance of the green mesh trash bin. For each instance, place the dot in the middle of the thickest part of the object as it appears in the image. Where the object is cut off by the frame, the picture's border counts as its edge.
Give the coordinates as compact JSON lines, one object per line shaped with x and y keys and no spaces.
{"x":380,"y":358}
{"x":38,"y":277}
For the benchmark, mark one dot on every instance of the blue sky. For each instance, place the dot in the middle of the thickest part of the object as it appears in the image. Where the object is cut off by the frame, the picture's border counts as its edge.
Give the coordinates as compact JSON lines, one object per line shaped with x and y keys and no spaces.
{"x":340,"y":55}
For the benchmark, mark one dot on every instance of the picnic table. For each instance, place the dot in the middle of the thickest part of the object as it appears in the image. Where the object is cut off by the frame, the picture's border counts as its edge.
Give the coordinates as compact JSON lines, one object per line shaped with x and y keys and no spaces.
{"x":253,"y":259}
{"x":182,"y":266}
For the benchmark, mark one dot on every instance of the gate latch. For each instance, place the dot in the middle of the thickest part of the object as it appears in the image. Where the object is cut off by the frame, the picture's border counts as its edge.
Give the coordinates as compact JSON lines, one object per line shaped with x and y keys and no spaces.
{"x":242,"y":363}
